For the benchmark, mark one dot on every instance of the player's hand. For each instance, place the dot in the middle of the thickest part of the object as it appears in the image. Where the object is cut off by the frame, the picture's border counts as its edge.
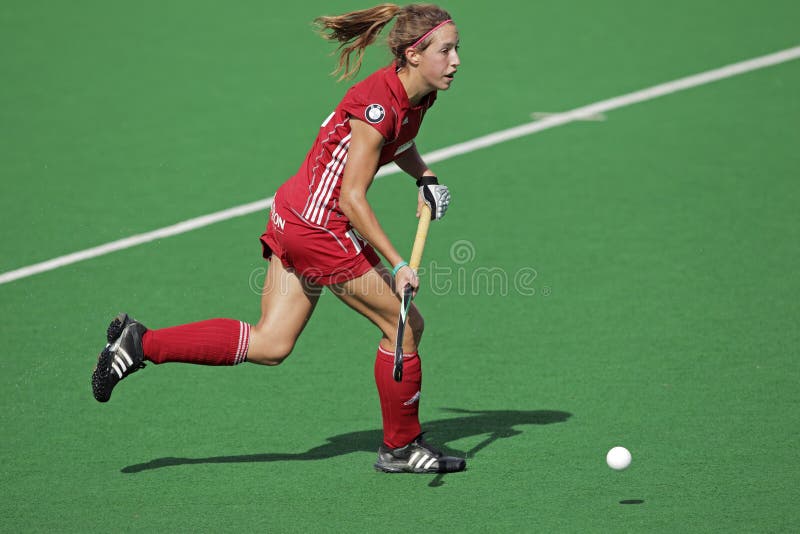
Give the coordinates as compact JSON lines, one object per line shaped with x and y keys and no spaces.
{"x":405,"y":276}
{"x":435,"y":195}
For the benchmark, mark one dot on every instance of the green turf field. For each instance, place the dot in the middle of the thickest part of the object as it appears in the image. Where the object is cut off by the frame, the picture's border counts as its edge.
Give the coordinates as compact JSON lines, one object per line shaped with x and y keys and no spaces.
{"x":631,"y":281}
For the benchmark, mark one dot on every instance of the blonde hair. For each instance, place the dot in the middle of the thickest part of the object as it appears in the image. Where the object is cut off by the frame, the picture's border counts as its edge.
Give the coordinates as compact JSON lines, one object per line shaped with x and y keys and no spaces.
{"x":358,"y":29}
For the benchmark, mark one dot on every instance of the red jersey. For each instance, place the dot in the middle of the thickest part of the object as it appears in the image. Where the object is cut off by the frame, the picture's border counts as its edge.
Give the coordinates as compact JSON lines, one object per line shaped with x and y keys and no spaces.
{"x":381,"y":101}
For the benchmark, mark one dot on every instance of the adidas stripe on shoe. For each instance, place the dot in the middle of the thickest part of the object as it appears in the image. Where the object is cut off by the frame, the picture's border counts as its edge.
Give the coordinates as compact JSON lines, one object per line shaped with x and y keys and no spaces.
{"x":121,"y":356}
{"x":417,"y":457}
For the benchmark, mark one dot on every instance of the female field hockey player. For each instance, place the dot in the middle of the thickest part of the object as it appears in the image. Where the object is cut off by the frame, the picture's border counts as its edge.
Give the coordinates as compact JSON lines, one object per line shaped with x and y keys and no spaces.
{"x":322,"y":231}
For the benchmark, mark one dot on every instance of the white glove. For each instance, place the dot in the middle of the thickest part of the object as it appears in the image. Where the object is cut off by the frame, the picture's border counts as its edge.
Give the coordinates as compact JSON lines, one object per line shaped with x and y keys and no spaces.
{"x":436,"y":196}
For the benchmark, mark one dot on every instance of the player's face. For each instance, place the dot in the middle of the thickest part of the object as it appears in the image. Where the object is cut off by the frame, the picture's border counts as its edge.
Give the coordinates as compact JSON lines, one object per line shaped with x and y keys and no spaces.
{"x":440,"y":60}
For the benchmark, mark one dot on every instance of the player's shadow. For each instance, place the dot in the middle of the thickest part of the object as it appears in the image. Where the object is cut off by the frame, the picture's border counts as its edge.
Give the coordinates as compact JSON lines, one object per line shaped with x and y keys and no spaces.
{"x":496,"y":424}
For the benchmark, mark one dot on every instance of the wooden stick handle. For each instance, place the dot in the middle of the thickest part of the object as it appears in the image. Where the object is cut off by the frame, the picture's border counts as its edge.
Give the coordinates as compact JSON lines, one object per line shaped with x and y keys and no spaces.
{"x":422,"y":235}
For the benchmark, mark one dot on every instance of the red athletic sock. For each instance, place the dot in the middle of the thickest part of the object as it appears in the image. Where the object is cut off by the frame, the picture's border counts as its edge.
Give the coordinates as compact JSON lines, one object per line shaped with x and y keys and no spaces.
{"x":399,"y":400}
{"x":212,"y":342}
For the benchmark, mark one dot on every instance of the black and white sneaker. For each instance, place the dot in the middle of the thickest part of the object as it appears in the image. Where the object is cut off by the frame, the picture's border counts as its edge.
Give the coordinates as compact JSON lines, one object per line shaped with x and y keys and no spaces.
{"x":417,"y":457}
{"x":121,"y":356}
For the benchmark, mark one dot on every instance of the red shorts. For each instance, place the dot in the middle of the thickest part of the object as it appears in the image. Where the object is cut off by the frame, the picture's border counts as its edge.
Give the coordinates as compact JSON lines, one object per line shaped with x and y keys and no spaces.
{"x":323,"y":256}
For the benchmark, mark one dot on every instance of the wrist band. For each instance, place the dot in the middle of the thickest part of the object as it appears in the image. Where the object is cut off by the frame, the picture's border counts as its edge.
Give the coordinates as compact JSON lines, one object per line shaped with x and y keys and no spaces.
{"x":398,"y":267}
{"x":427,"y":180}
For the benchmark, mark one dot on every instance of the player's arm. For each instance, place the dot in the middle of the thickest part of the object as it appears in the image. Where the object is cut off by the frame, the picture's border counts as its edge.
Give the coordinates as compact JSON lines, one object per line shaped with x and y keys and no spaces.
{"x":435,"y":195}
{"x":412,"y":164}
{"x":363,"y":157}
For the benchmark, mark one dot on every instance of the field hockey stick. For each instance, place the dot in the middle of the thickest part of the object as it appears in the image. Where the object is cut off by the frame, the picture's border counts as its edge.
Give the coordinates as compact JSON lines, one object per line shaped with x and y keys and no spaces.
{"x":408,"y":291}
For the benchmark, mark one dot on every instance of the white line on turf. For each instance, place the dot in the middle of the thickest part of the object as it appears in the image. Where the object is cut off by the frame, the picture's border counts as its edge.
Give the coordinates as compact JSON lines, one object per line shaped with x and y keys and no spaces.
{"x":539,"y":115}
{"x":551,"y":121}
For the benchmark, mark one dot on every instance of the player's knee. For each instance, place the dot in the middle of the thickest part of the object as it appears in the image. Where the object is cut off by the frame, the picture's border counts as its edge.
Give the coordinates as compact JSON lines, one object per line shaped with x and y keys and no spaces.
{"x":274,"y":353}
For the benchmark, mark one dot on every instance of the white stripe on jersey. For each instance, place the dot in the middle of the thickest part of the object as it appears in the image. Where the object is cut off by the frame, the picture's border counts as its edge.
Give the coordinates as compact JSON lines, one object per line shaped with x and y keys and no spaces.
{"x":336,"y":177}
{"x":356,"y":241}
{"x":332,"y":174}
{"x":313,"y":186}
{"x":329,"y":178}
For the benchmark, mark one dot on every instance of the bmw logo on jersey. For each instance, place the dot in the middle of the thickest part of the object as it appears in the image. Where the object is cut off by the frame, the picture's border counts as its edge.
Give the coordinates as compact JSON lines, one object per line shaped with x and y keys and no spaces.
{"x":374,"y":113}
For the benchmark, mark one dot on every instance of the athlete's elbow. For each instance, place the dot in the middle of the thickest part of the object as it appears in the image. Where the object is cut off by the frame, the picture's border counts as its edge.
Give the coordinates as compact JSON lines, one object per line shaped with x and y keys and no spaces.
{"x":346,"y":207}
{"x":350,"y":204}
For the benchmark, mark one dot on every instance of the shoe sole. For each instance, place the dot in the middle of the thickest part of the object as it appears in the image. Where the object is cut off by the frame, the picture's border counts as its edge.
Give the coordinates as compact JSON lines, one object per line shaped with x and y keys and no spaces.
{"x":383,"y":468}
{"x":387,"y":469}
{"x":100,"y":375}
{"x":116,"y":327}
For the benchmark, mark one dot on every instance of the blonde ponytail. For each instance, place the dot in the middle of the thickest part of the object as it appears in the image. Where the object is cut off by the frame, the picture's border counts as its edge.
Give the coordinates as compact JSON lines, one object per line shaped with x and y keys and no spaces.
{"x":355,"y":31}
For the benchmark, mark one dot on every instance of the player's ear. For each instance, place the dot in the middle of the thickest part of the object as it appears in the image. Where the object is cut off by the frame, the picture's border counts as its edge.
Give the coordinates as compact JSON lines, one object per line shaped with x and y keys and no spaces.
{"x":412,"y":56}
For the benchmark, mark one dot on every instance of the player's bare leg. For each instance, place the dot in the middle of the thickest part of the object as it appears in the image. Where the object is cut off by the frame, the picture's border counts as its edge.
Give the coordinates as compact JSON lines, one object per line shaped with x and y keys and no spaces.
{"x":287,"y":302}
{"x":373,"y":296}
{"x":403,"y":449}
